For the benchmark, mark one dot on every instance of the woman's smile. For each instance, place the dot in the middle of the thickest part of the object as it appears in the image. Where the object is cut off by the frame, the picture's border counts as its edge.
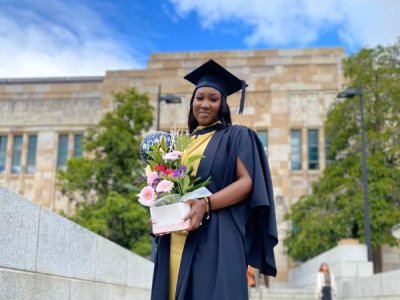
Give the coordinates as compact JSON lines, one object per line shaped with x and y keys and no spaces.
{"x":206,"y":104}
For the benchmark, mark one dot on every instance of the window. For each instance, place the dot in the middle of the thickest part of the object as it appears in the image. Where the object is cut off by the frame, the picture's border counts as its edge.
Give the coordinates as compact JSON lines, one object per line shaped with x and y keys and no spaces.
{"x":263,"y":136}
{"x":295,"y":148}
{"x":16,"y":154}
{"x":313,"y":153}
{"x":3,"y":152}
{"x":77,"y":145}
{"x":31,"y":163}
{"x":62,"y":153}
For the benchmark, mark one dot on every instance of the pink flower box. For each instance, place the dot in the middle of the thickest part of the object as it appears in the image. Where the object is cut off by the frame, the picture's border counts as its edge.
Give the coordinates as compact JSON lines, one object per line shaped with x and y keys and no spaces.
{"x":168,"y":218}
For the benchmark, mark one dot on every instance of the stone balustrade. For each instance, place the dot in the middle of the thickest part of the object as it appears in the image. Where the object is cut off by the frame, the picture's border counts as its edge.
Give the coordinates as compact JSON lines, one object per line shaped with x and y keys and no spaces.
{"x":45,"y":256}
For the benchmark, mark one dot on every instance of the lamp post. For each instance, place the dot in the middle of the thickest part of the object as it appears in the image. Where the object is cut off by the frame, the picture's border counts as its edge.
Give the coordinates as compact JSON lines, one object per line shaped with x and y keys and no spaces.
{"x":169,"y":99}
{"x":351,"y":93}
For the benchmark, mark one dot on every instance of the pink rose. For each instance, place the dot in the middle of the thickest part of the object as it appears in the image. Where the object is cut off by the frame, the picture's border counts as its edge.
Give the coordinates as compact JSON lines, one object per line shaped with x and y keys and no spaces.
{"x":151,"y":177}
{"x":147,"y":196}
{"x":164,"y":186}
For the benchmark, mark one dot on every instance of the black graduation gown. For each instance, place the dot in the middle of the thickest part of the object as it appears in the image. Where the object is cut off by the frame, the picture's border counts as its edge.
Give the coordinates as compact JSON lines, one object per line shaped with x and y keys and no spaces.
{"x":215,"y":256}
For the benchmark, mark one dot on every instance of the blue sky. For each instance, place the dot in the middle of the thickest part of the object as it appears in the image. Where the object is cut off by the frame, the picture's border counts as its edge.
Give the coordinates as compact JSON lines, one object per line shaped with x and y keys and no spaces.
{"x":88,"y":37}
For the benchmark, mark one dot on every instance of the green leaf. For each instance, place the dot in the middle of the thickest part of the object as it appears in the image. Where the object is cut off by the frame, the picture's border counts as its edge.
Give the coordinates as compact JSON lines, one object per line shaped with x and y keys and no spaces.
{"x":199,"y":185}
{"x":132,"y":188}
{"x":182,"y":142}
{"x":164,"y":145}
{"x":193,"y":158}
{"x":186,"y":182}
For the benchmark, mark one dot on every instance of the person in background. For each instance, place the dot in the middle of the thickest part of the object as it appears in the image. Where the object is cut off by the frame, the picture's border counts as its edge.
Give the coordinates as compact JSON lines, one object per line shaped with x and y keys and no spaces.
{"x":326,"y":285}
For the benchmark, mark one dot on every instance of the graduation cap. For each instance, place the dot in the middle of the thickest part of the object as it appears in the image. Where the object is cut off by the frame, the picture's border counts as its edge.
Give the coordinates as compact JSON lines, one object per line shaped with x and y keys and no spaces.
{"x":216,"y":76}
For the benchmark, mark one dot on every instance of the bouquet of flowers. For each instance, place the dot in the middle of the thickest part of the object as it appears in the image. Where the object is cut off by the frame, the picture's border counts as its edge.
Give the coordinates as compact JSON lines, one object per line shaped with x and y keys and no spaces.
{"x":168,"y":180}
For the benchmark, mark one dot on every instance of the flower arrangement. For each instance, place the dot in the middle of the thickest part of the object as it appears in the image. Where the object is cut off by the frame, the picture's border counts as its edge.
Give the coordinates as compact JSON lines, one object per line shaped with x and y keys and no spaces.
{"x":169,"y":181}
{"x":169,"y":178}
{"x":169,"y":171}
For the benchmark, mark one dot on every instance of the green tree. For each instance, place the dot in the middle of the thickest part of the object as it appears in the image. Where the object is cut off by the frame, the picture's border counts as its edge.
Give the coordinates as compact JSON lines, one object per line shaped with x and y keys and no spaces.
{"x":96,"y":181}
{"x":334,"y":210}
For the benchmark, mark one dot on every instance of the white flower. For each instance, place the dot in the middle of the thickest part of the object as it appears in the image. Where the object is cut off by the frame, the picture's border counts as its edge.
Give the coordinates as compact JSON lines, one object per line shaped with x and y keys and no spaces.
{"x":174,"y":155}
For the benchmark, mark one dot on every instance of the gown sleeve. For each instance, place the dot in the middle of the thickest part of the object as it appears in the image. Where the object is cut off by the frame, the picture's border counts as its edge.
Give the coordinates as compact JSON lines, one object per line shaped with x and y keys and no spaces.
{"x":261,"y":232}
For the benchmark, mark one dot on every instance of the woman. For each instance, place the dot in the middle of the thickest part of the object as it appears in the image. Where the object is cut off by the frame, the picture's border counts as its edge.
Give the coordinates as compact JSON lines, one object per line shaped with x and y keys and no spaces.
{"x":325,"y":283}
{"x":210,"y":261}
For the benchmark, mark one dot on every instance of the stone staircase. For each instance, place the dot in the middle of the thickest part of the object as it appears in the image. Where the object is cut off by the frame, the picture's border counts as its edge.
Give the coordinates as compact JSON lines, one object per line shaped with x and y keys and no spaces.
{"x":263,"y":293}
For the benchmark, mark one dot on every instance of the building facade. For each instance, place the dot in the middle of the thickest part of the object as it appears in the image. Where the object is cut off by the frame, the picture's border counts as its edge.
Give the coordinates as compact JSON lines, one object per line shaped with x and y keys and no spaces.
{"x":289,"y":93}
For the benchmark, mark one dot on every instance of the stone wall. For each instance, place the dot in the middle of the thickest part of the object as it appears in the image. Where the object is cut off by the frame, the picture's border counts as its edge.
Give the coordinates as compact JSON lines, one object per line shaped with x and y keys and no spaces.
{"x":383,"y":286}
{"x":45,"y":256}
{"x":45,"y":108}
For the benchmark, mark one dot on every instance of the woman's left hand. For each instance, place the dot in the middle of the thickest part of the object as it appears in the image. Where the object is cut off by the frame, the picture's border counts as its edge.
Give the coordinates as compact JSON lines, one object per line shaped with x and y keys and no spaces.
{"x":198,"y":209}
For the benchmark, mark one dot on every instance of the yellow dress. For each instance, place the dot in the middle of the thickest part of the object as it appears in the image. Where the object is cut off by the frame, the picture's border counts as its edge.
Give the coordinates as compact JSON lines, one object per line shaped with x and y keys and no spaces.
{"x":197,"y":146}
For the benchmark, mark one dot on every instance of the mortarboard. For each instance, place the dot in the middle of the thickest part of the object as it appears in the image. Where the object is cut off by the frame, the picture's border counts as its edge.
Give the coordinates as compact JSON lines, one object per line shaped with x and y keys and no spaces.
{"x":213,"y":75}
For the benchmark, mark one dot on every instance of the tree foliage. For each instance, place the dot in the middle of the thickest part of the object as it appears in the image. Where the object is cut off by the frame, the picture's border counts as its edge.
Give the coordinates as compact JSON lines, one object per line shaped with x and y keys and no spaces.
{"x":96,"y":181}
{"x":334,"y":209}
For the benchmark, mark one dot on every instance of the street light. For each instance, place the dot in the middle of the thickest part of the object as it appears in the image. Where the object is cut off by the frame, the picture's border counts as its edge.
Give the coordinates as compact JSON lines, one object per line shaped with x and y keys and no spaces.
{"x":169,"y":99}
{"x":351,"y":93}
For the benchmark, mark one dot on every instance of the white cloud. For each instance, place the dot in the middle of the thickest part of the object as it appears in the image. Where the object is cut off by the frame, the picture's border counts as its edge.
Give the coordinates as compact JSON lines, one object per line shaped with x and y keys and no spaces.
{"x":369,"y":23}
{"x":299,"y":22}
{"x":52,"y":38}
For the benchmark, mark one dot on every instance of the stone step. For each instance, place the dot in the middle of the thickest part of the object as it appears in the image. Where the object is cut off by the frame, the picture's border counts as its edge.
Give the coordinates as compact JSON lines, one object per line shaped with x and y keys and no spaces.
{"x":280,"y":297}
{"x":263,"y":293}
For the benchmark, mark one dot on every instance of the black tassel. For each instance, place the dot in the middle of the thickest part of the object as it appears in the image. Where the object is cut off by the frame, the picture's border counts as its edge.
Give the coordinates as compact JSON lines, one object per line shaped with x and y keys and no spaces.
{"x":242,"y":97}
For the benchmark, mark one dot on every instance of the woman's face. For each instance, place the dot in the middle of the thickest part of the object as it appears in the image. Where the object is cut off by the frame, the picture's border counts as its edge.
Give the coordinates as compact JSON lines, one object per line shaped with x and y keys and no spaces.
{"x":324,"y":268}
{"x":206,"y":103}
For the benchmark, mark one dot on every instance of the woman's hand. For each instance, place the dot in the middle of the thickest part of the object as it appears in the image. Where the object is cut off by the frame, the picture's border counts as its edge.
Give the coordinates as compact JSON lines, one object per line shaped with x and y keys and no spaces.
{"x":198,"y":209}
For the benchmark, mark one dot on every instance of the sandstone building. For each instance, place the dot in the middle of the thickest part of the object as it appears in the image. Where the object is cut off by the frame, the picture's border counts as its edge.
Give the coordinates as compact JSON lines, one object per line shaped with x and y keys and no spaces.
{"x":42,"y":119}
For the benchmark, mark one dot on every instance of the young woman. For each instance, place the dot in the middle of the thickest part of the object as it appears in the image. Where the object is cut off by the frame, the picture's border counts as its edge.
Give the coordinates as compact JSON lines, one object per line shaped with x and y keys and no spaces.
{"x":210,"y":260}
{"x":325,"y":283}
